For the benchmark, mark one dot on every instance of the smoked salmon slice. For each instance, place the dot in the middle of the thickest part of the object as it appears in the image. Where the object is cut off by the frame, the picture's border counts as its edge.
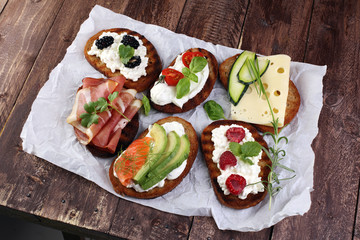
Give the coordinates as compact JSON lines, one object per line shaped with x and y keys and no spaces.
{"x":132,"y":159}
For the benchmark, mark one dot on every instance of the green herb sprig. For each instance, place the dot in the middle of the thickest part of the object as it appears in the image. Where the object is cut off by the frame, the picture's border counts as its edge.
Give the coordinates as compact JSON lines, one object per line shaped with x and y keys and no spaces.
{"x":275,"y":153}
{"x":197,"y":64}
{"x":94,"y":108}
{"x":126,"y":53}
{"x":245,"y":150}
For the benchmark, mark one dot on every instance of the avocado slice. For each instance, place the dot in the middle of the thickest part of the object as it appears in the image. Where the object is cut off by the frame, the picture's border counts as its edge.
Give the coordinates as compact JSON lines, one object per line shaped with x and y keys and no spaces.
{"x":158,"y":133}
{"x":164,"y":168}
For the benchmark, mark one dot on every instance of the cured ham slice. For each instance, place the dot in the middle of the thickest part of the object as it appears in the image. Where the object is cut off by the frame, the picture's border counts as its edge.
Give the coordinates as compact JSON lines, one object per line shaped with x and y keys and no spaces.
{"x":130,"y":112}
{"x":107,"y":132}
{"x":121,"y":102}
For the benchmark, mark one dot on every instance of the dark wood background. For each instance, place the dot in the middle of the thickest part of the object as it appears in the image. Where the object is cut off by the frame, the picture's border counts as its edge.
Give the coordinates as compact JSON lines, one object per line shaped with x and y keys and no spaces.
{"x":34,"y":36}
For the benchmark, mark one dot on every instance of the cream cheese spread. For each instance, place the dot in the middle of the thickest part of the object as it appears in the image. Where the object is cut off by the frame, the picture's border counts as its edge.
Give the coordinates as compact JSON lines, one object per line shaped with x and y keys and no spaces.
{"x":163,"y":94}
{"x":168,"y":126}
{"x":110,"y":56}
{"x":249,"y":172}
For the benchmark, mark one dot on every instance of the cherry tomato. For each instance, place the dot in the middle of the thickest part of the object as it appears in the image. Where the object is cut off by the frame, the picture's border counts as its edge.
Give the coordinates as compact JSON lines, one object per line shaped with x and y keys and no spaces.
{"x":188,"y":56}
{"x":172,"y":76}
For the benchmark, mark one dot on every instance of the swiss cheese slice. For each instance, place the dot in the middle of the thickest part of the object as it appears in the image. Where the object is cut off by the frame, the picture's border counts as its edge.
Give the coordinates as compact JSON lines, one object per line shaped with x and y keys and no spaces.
{"x":255,"y":109}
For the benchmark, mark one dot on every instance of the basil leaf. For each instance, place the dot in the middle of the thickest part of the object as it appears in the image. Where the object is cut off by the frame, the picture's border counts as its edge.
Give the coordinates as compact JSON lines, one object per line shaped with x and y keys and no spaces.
{"x":214,"y":110}
{"x":186,"y":71}
{"x":125,"y":53}
{"x":182,"y":88}
{"x":197,"y":64}
{"x":193,"y":77}
{"x":251,"y":149}
{"x":235,"y":148}
{"x":146,"y":104}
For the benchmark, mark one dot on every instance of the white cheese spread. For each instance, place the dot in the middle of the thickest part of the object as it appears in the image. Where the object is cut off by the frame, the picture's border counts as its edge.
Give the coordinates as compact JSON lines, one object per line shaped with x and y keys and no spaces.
{"x":163,"y":94}
{"x":249,"y":172}
{"x":168,"y":126}
{"x":110,"y":56}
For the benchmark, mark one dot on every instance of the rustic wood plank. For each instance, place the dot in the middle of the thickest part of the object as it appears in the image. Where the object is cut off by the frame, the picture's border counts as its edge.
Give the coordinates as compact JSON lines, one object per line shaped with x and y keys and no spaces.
{"x":2,"y":5}
{"x":77,"y":205}
{"x":205,"y":228}
{"x":209,"y":18}
{"x":273,"y":27}
{"x":23,"y":28}
{"x":333,"y":40}
{"x":356,"y":235}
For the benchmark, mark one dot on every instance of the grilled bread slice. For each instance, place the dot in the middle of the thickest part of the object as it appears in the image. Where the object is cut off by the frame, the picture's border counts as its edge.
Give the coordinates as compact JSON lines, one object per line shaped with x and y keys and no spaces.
{"x":169,"y":184}
{"x":153,"y":68}
{"x":293,"y":99}
{"x":207,"y":146}
{"x":202,"y":95}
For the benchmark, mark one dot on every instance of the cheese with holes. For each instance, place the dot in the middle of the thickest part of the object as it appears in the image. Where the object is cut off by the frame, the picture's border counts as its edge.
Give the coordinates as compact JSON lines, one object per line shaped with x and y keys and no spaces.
{"x":255,"y":109}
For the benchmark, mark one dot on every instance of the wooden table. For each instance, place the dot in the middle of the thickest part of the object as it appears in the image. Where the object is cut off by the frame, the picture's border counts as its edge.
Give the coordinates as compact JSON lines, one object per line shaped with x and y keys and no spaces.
{"x":34,"y":36}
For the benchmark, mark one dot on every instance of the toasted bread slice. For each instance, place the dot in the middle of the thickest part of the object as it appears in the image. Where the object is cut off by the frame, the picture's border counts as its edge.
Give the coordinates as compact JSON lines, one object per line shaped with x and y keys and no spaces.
{"x":152,"y":70}
{"x":293,"y":99}
{"x":169,"y":184}
{"x":207,"y":146}
{"x":203,"y":94}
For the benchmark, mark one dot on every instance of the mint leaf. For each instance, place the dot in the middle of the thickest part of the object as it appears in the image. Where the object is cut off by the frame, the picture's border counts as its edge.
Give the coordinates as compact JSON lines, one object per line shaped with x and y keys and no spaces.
{"x":251,"y":149}
{"x":182,"y":88}
{"x":197,"y":64}
{"x":214,"y":110}
{"x":146,"y":104}
{"x":247,"y":160}
{"x":125,"y":53}
{"x":235,"y":148}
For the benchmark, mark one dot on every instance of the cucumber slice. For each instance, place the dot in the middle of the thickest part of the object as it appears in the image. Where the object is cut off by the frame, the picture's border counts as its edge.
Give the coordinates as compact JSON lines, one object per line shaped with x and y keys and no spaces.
{"x":244,"y":73}
{"x":235,"y":88}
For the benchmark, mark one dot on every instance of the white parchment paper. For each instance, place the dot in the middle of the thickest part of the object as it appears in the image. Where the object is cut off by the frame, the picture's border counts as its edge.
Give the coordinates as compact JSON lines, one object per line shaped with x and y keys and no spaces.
{"x":47,"y":135}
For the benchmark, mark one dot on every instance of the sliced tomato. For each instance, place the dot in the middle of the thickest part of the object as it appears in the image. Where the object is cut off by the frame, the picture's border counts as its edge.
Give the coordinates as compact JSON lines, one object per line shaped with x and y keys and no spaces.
{"x":188,"y":56}
{"x":172,"y":76}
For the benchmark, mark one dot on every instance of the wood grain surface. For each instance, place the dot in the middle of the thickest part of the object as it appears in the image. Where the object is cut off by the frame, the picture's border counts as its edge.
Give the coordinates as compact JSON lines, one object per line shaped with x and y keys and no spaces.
{"x":34,"y":36}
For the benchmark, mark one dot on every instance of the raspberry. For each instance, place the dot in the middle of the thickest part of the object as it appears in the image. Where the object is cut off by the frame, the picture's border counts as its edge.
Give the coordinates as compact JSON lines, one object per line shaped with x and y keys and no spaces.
{"x":130,"y":41}
{"x":227,"y":159}
{"x":104,"y":42}
{"x":235,"y":183}
{"x":235,"y":134}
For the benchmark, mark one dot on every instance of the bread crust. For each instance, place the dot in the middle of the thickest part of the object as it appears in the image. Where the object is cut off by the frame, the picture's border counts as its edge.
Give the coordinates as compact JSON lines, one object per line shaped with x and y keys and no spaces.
{"x":169,"y":184}
{"x":207,"y":146}
{"x":292,"y":102}
{"x":152,"y":70}
{"x":202,"y":95}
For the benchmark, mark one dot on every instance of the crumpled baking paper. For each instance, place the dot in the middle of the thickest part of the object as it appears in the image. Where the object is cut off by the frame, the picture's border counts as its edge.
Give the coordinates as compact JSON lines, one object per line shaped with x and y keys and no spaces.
{"x":47,"y":135}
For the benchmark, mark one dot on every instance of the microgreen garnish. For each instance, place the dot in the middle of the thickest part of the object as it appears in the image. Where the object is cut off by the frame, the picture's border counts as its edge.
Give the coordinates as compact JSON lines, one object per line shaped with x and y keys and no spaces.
{"x":214,"y":110}
{"x":246,"y":150}
{"x":94,"y":108}
{"x":146,"y":104}
{"x":197,"y":65}
{"x":275,"y":153}
{"x":125,"y":53}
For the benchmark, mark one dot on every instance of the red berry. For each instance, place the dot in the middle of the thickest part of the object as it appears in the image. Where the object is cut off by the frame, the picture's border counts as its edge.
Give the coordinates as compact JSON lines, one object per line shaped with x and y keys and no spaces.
{"x":235,"y":134}
{"x":227,"y":159}
{"x":235,"y":183}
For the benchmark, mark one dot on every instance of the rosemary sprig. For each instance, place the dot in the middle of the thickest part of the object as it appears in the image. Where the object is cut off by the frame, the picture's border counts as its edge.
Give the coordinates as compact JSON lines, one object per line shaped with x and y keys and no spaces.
{"x":275,"y":153}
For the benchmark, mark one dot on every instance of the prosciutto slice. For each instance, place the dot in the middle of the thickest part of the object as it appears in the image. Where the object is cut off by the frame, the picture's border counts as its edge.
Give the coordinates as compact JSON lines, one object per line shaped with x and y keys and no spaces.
{"x":89,"y":94}
{"x":121,"y":102}
{"x":129,"y":113}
